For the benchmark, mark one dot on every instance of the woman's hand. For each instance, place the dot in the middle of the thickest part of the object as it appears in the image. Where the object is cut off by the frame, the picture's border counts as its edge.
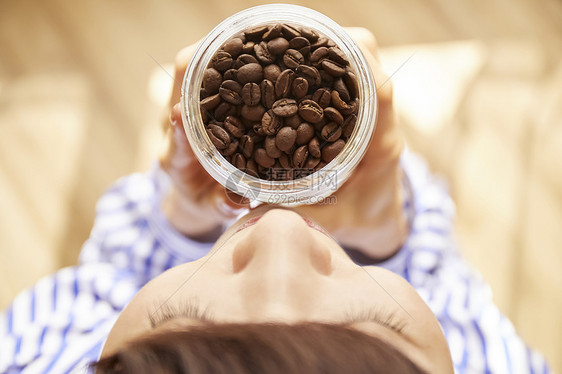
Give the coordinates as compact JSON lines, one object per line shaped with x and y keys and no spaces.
{"x":368,"y":212}
{"x":196,"y":205}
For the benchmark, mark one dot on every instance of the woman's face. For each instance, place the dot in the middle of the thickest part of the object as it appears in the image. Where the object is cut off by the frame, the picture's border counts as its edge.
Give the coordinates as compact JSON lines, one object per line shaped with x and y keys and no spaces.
{"x":273,"y":265}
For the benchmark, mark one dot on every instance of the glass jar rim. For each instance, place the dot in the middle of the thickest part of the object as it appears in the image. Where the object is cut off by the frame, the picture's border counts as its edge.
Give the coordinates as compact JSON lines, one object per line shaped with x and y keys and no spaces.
{"x":322,"y":182}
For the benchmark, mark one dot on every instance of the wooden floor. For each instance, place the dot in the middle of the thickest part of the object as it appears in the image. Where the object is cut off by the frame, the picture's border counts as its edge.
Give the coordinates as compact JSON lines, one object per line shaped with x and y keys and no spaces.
{"x":80,"y":96}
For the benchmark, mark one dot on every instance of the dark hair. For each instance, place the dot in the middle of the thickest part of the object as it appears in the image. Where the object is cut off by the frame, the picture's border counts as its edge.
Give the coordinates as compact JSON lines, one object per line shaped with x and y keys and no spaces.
{"x":258,"y":348}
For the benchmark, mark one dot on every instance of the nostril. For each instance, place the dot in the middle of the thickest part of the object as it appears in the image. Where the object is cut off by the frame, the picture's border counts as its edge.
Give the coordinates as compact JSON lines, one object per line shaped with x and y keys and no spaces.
{"x":241,"y":257}
{"x":321,"y":260}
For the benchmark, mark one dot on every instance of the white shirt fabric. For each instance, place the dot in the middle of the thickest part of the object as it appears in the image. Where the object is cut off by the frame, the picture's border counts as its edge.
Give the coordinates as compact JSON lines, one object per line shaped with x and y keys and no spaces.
{"x":60,"y":324}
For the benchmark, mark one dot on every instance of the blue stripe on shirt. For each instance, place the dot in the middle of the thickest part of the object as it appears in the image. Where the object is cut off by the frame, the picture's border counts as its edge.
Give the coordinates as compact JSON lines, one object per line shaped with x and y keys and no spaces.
{"x":507,"y":357}
{"x":476,"y":327}
{"x":32,"y":306}
{"x":18,"y":345}
{"x":9,"y":319}
{"x":62,"y":347}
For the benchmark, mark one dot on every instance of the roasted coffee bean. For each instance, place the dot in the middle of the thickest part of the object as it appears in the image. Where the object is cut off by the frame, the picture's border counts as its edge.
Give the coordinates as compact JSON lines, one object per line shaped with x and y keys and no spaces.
{"x":320,"y":42}
{"x":310,"y":111}
{"x":333,"y":115}
{"x":251,"y":94}
{"x":230,"y":75}
{"x":252,"y":168}
{"x":337,"y":101}
{"x":222,"y":61}
{"x":331,"y":132}
{"x":349,"y":125}
{"x":310,"y":73}
{"x":255,"y":32}
{"x":248,"y":47}
{"x":224,"y":110}
{"x":212,"y":80}
{"x":300,"y":44}
{"x":284,"y":82}
{"x":284,"y":161}
{"x":264,"y":172}
{"x":285,"y":107}
{"x":247,"y":145}
{"x":273,"y":32}
{"x":267,"y":93}
{"x":230,"y":92}
{"x":219,"y":137}
{"x":322,"y":96}
{"x":250,"y":73}
{"x":351,"y":84}
{"x":278,"y":46}
{"x":311,"y":162}
{"x":252,"y":113}
{"x":230,"y":149}
{"x":293,"y":121}
{"x":258,"y":132}
{"x":319,"y":55}
{"x":300,"y":87}
{"x":290,"y":32}
{"x":271,"y":72}
{"x":210,"y":102}
{"x":270,"y":123}
{"x":271,"y":148}
{"x":327,"y":79}
{"x":286,"y":138}
{"x":305,"y":132}
{"x":233,"y":47}
{"x":309,"y":34}
{"x":332,"y":68}
{"x":203,"y":94}
{"x":320,"y":165}
{"x":319,"y":125}
{"x":239,"y":161}
{"x":275,"y":97}
{"x":340,"y":86}
{"x":247,"y":123}
{"x":293,"y":58}
{"x":330,"y":151}
{"x":234,"y":126}
{"x":263,"y":54}
{"x":314,"y":147}
{"x":300,"y":155}
{"x":205,"y":116}
{"x":351,"y":108}
{"x":261,"y":157}
{"x":338,"y":56}
{"x":244,"y":60}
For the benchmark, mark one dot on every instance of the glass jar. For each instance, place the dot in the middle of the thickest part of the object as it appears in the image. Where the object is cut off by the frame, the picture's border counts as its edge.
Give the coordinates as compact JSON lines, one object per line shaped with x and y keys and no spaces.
{"x":310,"y":189}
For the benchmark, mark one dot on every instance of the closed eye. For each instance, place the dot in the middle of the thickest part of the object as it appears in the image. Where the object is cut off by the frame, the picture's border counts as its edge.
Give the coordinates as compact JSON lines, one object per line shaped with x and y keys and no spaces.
{"x":373,"y":314}
{"x":190,"y":309}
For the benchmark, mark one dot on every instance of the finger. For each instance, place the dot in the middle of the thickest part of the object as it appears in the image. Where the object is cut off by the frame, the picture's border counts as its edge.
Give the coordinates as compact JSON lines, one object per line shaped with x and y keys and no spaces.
{"x":183,"y":149}
{"x":182,"y":60}
{"x":366,"y":38}
{"x":369,"y":46}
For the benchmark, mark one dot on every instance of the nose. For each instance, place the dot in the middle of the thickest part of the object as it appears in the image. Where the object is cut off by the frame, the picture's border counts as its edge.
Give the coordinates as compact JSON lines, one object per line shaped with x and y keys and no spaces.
{"x":280,"y":262}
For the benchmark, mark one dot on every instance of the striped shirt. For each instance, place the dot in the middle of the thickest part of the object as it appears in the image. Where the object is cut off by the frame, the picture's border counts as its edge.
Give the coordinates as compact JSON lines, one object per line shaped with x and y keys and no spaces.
{"x":60,"y":324}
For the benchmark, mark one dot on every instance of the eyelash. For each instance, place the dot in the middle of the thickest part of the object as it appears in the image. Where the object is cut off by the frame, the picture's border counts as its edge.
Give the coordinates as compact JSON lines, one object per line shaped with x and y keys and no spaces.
{"x":190,"y":309}
{"x":376,"y":315}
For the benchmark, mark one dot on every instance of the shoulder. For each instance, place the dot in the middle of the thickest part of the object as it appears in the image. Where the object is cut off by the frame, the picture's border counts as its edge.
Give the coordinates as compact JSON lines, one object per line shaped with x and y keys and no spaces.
{"x":63,"y":318}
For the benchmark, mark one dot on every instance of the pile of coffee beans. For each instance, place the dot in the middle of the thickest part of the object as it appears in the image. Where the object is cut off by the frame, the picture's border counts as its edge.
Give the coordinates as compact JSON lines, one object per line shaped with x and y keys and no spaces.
{"x":278,"y":101}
